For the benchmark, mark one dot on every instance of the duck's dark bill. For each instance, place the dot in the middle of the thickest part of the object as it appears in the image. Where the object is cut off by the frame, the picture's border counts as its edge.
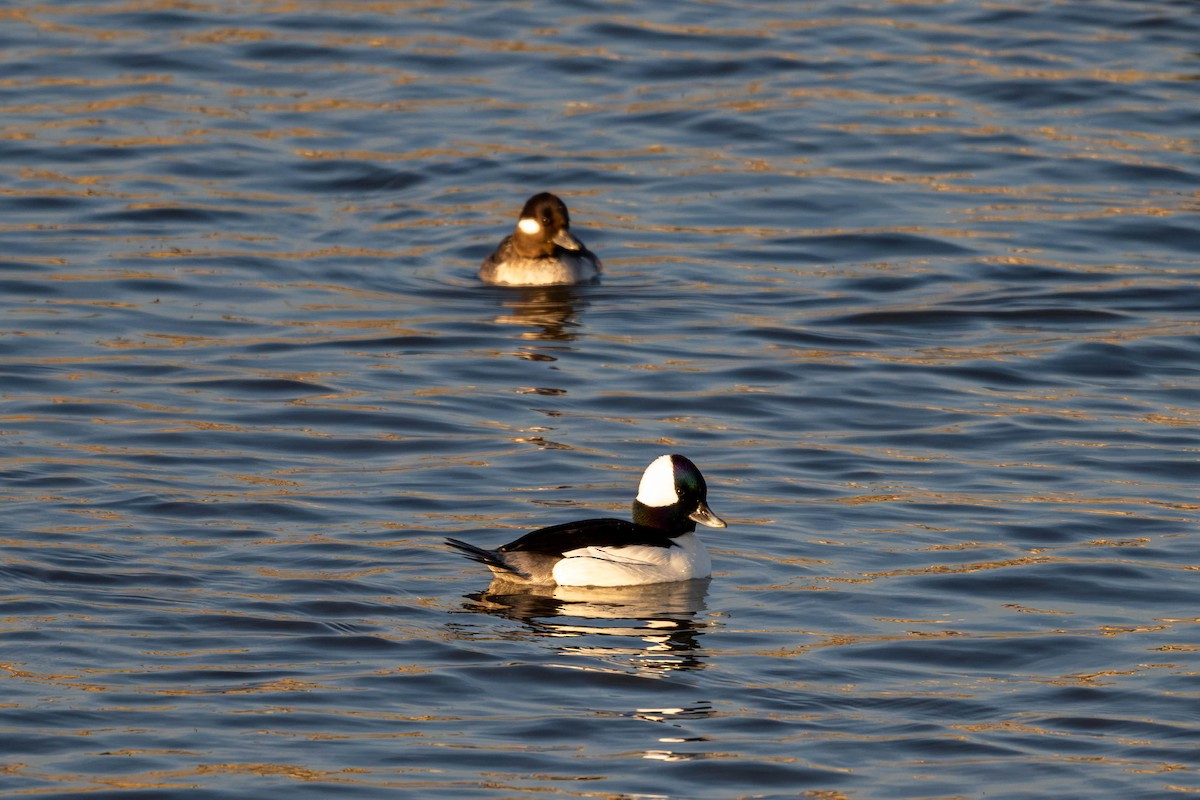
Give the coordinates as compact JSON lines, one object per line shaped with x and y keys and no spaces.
{"x":565,"y":240}
{"x":704,"y":515}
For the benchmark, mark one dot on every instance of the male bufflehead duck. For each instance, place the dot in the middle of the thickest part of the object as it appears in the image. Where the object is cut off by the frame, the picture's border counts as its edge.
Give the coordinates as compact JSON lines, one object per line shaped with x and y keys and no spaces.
{"x":657,"y":547}
{"x":541,"y":250}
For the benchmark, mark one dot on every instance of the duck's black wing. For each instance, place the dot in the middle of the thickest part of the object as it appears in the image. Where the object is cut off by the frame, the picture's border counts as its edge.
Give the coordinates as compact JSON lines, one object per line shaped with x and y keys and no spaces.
{"x":603,"y":532}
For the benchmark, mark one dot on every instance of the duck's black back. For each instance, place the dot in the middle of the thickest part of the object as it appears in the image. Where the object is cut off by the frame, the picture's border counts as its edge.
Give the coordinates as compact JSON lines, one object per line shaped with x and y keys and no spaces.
{"x":601,"y":532}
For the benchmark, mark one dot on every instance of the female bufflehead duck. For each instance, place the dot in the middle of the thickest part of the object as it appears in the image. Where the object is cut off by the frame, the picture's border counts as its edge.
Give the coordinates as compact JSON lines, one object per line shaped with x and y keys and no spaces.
{"x":541,"y":250}
{"x":657,"y":547}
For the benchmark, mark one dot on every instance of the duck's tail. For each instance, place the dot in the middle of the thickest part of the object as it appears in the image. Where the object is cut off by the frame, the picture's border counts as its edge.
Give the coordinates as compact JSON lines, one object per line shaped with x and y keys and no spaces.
{"x":491,"y":559}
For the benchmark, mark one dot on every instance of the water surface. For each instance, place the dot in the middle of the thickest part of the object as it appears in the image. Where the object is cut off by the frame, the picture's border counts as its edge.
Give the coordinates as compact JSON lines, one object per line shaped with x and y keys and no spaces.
{"x":915,"y":284}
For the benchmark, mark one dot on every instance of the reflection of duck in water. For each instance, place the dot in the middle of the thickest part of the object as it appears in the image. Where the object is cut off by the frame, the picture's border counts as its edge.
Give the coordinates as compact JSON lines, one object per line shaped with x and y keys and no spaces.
{"x":552,"y":308}
{"x":541,"y":251}
{"x":679,"y":600}
{"x":663,"y":616}
{"x":659,"y":546}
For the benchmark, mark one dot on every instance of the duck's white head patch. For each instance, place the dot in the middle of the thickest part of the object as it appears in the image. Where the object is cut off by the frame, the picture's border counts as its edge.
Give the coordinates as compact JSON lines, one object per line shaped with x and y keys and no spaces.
{"x":530,"y":226}
{"x":657,"y":488}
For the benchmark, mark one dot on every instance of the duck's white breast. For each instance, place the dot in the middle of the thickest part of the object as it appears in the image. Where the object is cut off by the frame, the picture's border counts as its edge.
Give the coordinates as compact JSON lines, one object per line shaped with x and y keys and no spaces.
{"x":634,"y":565}
{"x":567,"y":268}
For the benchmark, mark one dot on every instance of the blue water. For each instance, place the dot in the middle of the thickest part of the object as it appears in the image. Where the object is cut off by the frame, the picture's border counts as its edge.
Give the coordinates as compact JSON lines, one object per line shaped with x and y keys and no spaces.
{"x":914,"y":284}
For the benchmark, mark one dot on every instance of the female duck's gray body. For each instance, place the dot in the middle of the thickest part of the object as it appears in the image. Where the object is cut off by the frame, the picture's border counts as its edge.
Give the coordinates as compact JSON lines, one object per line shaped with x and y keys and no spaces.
{"x":658,"y":546}
{"x":541,"y":251}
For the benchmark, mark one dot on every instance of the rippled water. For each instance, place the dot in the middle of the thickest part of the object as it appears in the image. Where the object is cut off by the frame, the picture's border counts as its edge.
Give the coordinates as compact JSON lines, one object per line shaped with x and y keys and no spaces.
{"x":915,"y":284}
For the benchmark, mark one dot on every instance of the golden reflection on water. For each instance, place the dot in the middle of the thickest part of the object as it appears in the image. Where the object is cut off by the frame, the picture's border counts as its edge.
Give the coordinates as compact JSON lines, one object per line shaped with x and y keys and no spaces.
{"x":752,"y":99}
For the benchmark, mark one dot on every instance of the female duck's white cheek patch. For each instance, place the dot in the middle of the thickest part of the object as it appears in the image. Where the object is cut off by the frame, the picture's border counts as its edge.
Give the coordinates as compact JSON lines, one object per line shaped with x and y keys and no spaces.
{"x":529,"y":226}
